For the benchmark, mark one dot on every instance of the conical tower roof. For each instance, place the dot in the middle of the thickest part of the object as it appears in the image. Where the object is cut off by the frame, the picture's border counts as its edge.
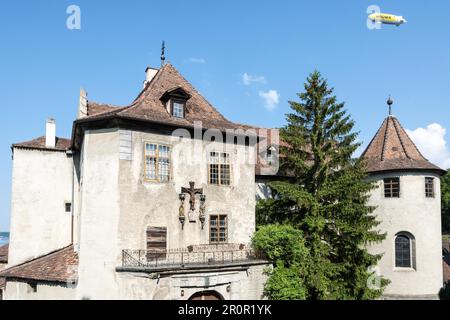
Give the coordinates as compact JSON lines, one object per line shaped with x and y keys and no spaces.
{"x":392,"y":150}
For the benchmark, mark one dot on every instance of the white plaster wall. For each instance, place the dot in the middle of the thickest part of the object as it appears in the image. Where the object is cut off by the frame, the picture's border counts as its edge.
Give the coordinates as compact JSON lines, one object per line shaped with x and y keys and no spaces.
{"x":145,"y":204}
{"x":117,"y":205}
{"x":41,"y":183}
{"x":99,"y":216}
{"x":22,"y":291}
{"x":420,"y":216}
{"x":243,"y":285}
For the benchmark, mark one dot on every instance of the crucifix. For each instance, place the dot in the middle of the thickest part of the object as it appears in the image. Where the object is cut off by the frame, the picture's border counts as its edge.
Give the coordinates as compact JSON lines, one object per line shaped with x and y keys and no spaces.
{"x":192,"y":192}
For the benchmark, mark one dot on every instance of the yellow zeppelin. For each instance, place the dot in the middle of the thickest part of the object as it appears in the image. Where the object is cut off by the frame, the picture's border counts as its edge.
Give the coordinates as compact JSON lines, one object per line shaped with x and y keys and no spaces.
{"x":387,"y":18}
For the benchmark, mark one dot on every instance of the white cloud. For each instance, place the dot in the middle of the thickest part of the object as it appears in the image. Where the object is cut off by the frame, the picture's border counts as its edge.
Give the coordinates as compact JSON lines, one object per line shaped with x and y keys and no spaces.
{"x":431,"y":142}
{"x":271,"y":99}
{"x":197,"y":60}
{"x":248,"y":79}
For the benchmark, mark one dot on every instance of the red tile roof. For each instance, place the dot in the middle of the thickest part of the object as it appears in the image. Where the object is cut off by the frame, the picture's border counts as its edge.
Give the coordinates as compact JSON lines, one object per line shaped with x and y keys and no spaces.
{"x":39,"y":144}
{"x":57,"y":266}
{"x":392,"y":149}
{"x":4,"y":253}
{"x":148,"y":105}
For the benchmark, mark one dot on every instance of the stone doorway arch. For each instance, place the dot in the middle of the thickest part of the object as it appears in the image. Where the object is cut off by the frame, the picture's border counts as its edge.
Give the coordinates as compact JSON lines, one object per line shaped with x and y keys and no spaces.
{"x":206,"y":295}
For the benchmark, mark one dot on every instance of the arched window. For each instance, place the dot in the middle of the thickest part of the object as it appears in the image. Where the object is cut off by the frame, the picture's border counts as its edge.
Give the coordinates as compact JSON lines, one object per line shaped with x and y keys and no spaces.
{"x":405,"y":248}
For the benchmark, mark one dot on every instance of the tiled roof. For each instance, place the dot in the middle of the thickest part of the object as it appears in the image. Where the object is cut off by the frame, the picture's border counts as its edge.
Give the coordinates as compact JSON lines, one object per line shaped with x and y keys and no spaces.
{"x":4,"y":253}
{"x":94,"y":108}
{"x":39,"y":144}
{"x":58,"y":266}
{"x":148,"y":105}
{"x":392,"y":149}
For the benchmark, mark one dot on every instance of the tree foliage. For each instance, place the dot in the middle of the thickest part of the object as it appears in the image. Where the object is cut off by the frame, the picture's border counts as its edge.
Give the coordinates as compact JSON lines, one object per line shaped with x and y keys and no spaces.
{"x":285,"y":246}
{"x":444,"y":294}
{"x":326,"y":197}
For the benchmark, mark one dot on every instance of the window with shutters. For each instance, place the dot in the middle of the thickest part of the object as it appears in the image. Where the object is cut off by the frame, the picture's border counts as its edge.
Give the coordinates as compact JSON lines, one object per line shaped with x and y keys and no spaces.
{"x":157,"y":162}
{"x":156,"y":243}
{"x":219,"y":168}
{"x":218,"y":229}
{"x":392,"y":188}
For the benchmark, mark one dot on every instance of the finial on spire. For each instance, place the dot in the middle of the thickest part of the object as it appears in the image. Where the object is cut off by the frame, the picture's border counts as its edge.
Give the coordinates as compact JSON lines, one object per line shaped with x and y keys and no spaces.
{"x":390,"y":102}
{"x":163,"y":57}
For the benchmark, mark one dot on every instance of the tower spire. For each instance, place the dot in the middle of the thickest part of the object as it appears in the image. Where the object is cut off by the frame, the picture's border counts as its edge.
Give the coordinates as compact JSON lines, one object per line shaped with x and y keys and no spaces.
{"x":390,"y":102}
{"x":163,"y":57}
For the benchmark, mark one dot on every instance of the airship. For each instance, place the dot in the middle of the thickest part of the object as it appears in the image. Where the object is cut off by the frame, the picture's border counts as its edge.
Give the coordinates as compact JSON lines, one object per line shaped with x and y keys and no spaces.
{"x":387,"y":18}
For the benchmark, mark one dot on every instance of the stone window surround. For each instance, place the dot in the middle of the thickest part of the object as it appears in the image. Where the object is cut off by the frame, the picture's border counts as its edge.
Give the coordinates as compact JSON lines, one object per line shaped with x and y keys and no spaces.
{"x":144,"y":163}
{"x":209,"y":163}
{"x":399,"y":187}
{"x":430,"y":194}
{"x":218,"y":228}
{"x":412,"y":238}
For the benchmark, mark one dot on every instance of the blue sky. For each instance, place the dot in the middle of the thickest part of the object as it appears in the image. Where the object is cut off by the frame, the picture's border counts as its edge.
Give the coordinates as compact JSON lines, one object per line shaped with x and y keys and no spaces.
{"x":276,"y":44}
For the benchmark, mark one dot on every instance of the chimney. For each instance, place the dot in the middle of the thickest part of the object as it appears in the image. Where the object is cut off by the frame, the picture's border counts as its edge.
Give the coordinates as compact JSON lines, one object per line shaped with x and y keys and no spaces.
{"x":50,"y":134}
{"x":150,"y":73}
{"x":82,"y":105}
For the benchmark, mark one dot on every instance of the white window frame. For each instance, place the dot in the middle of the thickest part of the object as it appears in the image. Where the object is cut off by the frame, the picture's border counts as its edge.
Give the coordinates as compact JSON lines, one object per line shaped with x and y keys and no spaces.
{"x":157,"y":157}
{"x":219,"y":161}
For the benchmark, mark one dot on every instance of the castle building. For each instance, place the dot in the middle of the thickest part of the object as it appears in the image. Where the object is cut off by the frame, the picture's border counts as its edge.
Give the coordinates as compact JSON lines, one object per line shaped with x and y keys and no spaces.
{"x":408,"y":205}
{"x":156,"y":200}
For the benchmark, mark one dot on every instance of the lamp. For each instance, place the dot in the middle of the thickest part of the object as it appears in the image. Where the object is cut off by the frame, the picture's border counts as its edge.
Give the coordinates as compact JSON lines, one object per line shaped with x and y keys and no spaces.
{"x":181,"y":215}
{"x":202,"y":216}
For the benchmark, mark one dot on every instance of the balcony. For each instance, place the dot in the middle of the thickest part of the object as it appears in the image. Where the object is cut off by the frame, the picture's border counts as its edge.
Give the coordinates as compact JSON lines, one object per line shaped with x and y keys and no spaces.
{"x":191,"y":258}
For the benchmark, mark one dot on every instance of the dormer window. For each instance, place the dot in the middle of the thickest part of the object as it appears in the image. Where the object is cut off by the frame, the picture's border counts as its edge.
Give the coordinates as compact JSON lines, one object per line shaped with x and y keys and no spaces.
{"x":175,"y":100}
{"x":178,"y":108}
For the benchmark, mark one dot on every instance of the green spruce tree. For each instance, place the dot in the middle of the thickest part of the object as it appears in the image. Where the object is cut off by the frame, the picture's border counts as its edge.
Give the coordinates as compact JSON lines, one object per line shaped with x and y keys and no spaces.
{"x":326,"y":197}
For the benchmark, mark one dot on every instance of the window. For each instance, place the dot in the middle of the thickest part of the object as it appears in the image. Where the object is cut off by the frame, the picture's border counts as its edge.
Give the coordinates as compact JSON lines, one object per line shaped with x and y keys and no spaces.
{"x":219,"y":168}
{"x":218,"y":229}
{"x":178,"y":109}
{"x":429,"y":187}
{"x":156,"y":242}
{"x":68,"y":206}
{"x":404,"y":250}
{"x":392,"y":188}
{"x":157,"y":162}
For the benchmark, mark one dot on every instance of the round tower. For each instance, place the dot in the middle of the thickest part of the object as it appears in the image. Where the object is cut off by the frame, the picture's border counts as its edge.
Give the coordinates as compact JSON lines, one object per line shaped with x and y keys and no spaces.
{"x":408,"y":205}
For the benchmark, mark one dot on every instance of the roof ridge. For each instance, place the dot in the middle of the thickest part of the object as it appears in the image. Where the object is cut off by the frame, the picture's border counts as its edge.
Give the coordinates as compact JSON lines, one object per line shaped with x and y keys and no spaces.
{"x":400,"y":138}
{"x":374,"y":137}
{"x":196,"y":91}
{"x":412,"y":142}
{"x":144,"y":93}
{"x":383,"y":149}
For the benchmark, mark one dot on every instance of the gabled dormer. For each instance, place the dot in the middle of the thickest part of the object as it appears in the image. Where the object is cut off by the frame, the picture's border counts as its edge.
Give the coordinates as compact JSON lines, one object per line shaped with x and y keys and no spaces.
{"x":175,"y":100}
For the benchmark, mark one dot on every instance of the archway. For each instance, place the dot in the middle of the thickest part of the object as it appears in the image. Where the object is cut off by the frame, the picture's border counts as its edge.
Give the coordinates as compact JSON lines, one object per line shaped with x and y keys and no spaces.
{"x":206,"y":295}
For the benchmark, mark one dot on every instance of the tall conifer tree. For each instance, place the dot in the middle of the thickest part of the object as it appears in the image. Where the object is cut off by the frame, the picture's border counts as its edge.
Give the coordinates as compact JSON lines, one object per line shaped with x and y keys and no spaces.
{"x":327,"y":196}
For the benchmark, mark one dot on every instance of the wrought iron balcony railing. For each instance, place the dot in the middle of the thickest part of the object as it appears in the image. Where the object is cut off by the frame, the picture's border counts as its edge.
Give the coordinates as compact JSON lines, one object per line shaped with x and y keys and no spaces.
{"x":180,"y":258}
